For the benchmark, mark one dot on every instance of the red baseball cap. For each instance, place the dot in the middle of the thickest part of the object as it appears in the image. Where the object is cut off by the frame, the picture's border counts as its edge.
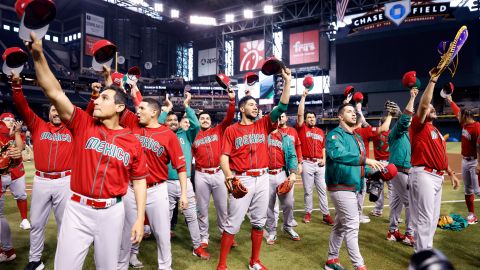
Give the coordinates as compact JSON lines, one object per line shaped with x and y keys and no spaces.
{"x":389,"y":172}
{"x":358,"y":97}
{"x":308,"y":82}
{"x":447,"y":90}
{"x":14,"y":59}
{"x":103,"y":52}
{"x":348,"y":90}
{"x":7,"y":115}
{"x":223,"y":80}
{"x":272,"y":66}
{"x":250,"y":78}
{"x":135,"y":71}
{"x":117,"y":78}
{"x":35,"y":15}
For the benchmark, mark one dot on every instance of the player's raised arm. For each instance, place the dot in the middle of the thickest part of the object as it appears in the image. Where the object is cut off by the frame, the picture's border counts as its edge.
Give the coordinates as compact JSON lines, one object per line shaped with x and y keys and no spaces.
{"x":426,"y":97}
{"x":47,"y":81}
{"x":301,"y":109}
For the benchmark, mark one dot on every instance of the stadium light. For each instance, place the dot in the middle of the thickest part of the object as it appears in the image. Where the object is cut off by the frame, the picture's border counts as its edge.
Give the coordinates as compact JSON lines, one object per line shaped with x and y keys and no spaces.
{"x":175,"y":13}
{"x":248,"y":13}
{"x":268,"y":9}
{"x":202,"y":20}
{"x":138,"y":2}
{"x":47,"y":37}
{"x":229,"y":18}
{"x":158,"y":7}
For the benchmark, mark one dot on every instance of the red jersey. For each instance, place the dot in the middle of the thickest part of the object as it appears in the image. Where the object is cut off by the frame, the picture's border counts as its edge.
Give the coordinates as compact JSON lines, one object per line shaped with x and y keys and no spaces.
{"x":105,"y":160}
{"x":293,"y":135}
{"x":53,"y":145}
{"x":247,"y":145}
{"x":428,"y":145}
{"x":367,"y":133}
{"x":275,"y":151}
{"x":312,"y":140}
{"x":206,"y":147}
{"x":470,"y":133}
{"x":160,"y":146}
{"x":380,"y":146}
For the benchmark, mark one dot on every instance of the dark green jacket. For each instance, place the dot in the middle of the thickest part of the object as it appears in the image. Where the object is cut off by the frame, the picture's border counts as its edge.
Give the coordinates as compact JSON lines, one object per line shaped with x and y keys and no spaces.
{"x":399,"y":142}
{"x":345,"y":168}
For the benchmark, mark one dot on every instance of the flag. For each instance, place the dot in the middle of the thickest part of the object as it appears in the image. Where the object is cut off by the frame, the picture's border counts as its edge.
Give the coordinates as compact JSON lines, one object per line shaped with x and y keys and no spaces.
{"x":341,"y":9}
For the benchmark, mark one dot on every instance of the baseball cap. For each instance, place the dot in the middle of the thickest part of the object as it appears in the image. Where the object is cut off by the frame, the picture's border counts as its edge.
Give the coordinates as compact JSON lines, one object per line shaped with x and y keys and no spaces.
{"x":308,"y":82}
{"x":410,"y":80}
{"x":250,"y":78}
{"x":35,"y":15}
{"x":103,"y":52}
{"x":117,"y":78}
{"x":223,"y":80}
{"x":358,"y":97}
{"x":389,"y":172}
{"x":14,"y":59}
{"x":348,"y":90}
{"x":447,"y":90}
{"x":272,"y":66}
{"x":7,"y":115}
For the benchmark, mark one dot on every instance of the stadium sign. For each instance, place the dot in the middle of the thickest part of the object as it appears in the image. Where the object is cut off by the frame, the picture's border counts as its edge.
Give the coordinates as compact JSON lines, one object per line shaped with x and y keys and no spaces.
{"x":304,"y":47}
{"x":207,"y":62}
{"x":398,"y":12}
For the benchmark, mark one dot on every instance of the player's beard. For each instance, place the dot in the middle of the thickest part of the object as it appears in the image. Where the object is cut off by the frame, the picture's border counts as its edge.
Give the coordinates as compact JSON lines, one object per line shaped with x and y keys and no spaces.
{"x":250,"y":117}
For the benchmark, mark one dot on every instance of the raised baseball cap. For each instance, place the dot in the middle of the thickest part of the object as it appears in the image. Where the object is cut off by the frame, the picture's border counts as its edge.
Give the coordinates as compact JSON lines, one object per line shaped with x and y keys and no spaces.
{"x":358,"y":97}
{"x":348,"y":90}
{"x":14,"y":59}
{"x":35,"y":16}
{"x":447,"y":90}
{"x":103,"y":52}
{"x":308,"y":82}
{"x":272,"y":66}
{"x":389,"y":172}
{"x":117,"y":78}
{"x":250,"y":78}
{"x":223,"y":80}
{"x":410,"y":80}
{"x":7,"y":115}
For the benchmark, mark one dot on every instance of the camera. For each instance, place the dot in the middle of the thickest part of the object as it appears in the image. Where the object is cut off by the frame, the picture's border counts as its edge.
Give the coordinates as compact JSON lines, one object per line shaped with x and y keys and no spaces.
{"x":374,"y":188}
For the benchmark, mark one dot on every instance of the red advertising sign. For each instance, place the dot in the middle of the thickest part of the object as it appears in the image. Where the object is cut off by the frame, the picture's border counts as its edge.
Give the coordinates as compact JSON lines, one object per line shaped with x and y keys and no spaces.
{"x":304,"y":47}
{"x":252,"y":54}
{"x":89,"y":41}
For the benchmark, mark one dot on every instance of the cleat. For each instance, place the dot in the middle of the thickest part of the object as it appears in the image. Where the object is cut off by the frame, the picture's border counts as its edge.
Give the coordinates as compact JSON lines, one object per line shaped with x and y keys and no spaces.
{"x":364,"y":219}
{"x":472,"y":219}
{"x":408,"y":240}
{"x":35,"y":266}
{"x":292,"y":234}
{"x":271,"y":239}
{"x":328,"y":220}
{"x":361,"y":267}
{"x":200,"y":252}
{"x":8,"y":255}
{"x":307,"y":218}
{"x":25,"y":225}
{"x":256,"y":266}
{"x":135,"y":262}
{"x":376,"y":213}
{"x":395,"y":236}
{"x":333,"y":264}
{"x":204,"y":243}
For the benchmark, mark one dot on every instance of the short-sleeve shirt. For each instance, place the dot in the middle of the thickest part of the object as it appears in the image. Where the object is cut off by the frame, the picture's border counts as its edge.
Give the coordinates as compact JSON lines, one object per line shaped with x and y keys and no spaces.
{"x":470,"y":133}
{"x":381,"y":149}
{"x":312,"y":139}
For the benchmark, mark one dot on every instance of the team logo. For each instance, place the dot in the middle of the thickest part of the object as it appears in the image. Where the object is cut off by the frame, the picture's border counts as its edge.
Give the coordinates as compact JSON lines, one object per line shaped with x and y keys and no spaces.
{"x":55,"y":137}
{"x":397,"y":11}
{"x":108,"y":149}
{"x":251,"y":54}
{"x":466,"y":134}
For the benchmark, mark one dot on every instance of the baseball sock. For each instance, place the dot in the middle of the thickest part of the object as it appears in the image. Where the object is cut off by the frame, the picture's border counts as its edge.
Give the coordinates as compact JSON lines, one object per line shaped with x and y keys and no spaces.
{"x":469,"y":201}
{"x":23,"y":208}
{"x":257,"y":237}
{"x":226,"y":244}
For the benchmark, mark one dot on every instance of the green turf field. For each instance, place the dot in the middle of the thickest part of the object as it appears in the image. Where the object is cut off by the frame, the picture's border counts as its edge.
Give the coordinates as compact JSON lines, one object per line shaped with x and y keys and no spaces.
{"x":309,"y":253}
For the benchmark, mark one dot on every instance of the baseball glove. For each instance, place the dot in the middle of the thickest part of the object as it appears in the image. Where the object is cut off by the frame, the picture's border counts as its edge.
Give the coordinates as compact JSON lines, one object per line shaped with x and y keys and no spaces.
{"x":235,"y":187}
{"x":284,"y":187}
{"x":444,"y":220}
{"x":392,"y":108}
{"x":5,"y":161}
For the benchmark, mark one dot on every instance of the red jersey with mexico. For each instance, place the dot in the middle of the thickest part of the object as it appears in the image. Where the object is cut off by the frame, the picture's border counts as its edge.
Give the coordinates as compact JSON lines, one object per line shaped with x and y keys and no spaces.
{"x":367,"y":133}
{"x":293,"y":135}
{"x":18,"y":171}
{"x":470,"y":133}
{"x":160,"y":146}
{"x":105,"y":160}
{"x":206,"y":147}
{"x":380,"y":146}
{"x":275,"y":151}
{"x":53,"y":145}
{"x":428,"y":145}
{"x":247,"y":145}
{"x":313,"y":141}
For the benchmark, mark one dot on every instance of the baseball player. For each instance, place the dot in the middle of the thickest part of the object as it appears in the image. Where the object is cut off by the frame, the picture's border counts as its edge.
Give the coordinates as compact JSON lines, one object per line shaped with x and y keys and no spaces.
{"x":245,"y":156}
{"x":161,"y":146}
{"x":209,"y":178}
{"x":470,"y":133}
{"x":186,"y":137}
{"x":51,"y":182}
{"x":107,"y":157}
{"x":7,"y":252}
{"x":346,"y":160}
{"x":313,"y":167}
{"x":16,"y":179}
{"x":429,"y":162}
{"x":283,"y":159}
{"x":400,"y":154}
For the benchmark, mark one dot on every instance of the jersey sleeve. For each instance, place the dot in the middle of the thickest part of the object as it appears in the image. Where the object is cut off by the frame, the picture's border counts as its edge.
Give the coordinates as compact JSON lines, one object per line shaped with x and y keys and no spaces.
{"x":228,"y":141}
{"x":28,"y":116}
{"x":162,"y":118}
{"x":139,"y":170}
{"x":402,"y":125}
{"x":227,"y":121}
{"x":194,"y":124}
{"x":129,"y":119}
{"x":175,"y":153}
{"x":338,"y":153}
{"x":266,"y":123}
{"x":456,"y":110}
{"x":79,"y":121}
{"x":416,"y":125}
{"x":290,"y":155}
{"x":90,"y":107}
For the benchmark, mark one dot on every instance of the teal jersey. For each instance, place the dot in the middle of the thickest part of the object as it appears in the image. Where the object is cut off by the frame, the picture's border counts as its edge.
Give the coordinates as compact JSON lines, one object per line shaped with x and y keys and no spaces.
{"x":186,"y":139}
{"x":399,"y":141}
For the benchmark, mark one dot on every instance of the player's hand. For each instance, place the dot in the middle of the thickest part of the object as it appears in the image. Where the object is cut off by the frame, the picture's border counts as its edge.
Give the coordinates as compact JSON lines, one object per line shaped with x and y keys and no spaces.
{"x":299,"y":168}
{"x":347,"y":99}
{"x":321,"y":163}
{"x":247,"y":92}
{"x":188,"y":97}
{"x":292,"y":179}
{"x":374,"y":164}
{"x":286,"y":74}
{"x":134,"y":89}
{"x":455,"y":181}
{"x":305,"y":93}
{"x":358,"y":107}
{"x":449,"y":99}
{"x":183,"y":202}
{"x":17,"y":126}
{"x":432,"y":73}
{"x":16,"y":78}
{"x":413,"y":92}
{"x":14,"y":153}
{"x":168,"y":103}
{"x":35,"y":46}
{"x":228,"y":182}
{"x":106,"y":71}
{"x":231,"y":93}
{"x":96,"y":87}
{"x":137,"y":232}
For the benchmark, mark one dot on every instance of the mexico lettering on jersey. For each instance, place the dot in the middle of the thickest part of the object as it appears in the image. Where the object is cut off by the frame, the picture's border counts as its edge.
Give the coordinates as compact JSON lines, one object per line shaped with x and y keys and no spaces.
{"x":247,"y":146}
{"x":54,"y":144}
{"x":275,"y":150}
{"x":313,"y":141}
{"x":105,"y":160}
{"x":470,"y":133}
{"x":428,"y":145}
{"x":206,"y":140}
{"x":160,"y":146}
{"x":381,"y":149}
